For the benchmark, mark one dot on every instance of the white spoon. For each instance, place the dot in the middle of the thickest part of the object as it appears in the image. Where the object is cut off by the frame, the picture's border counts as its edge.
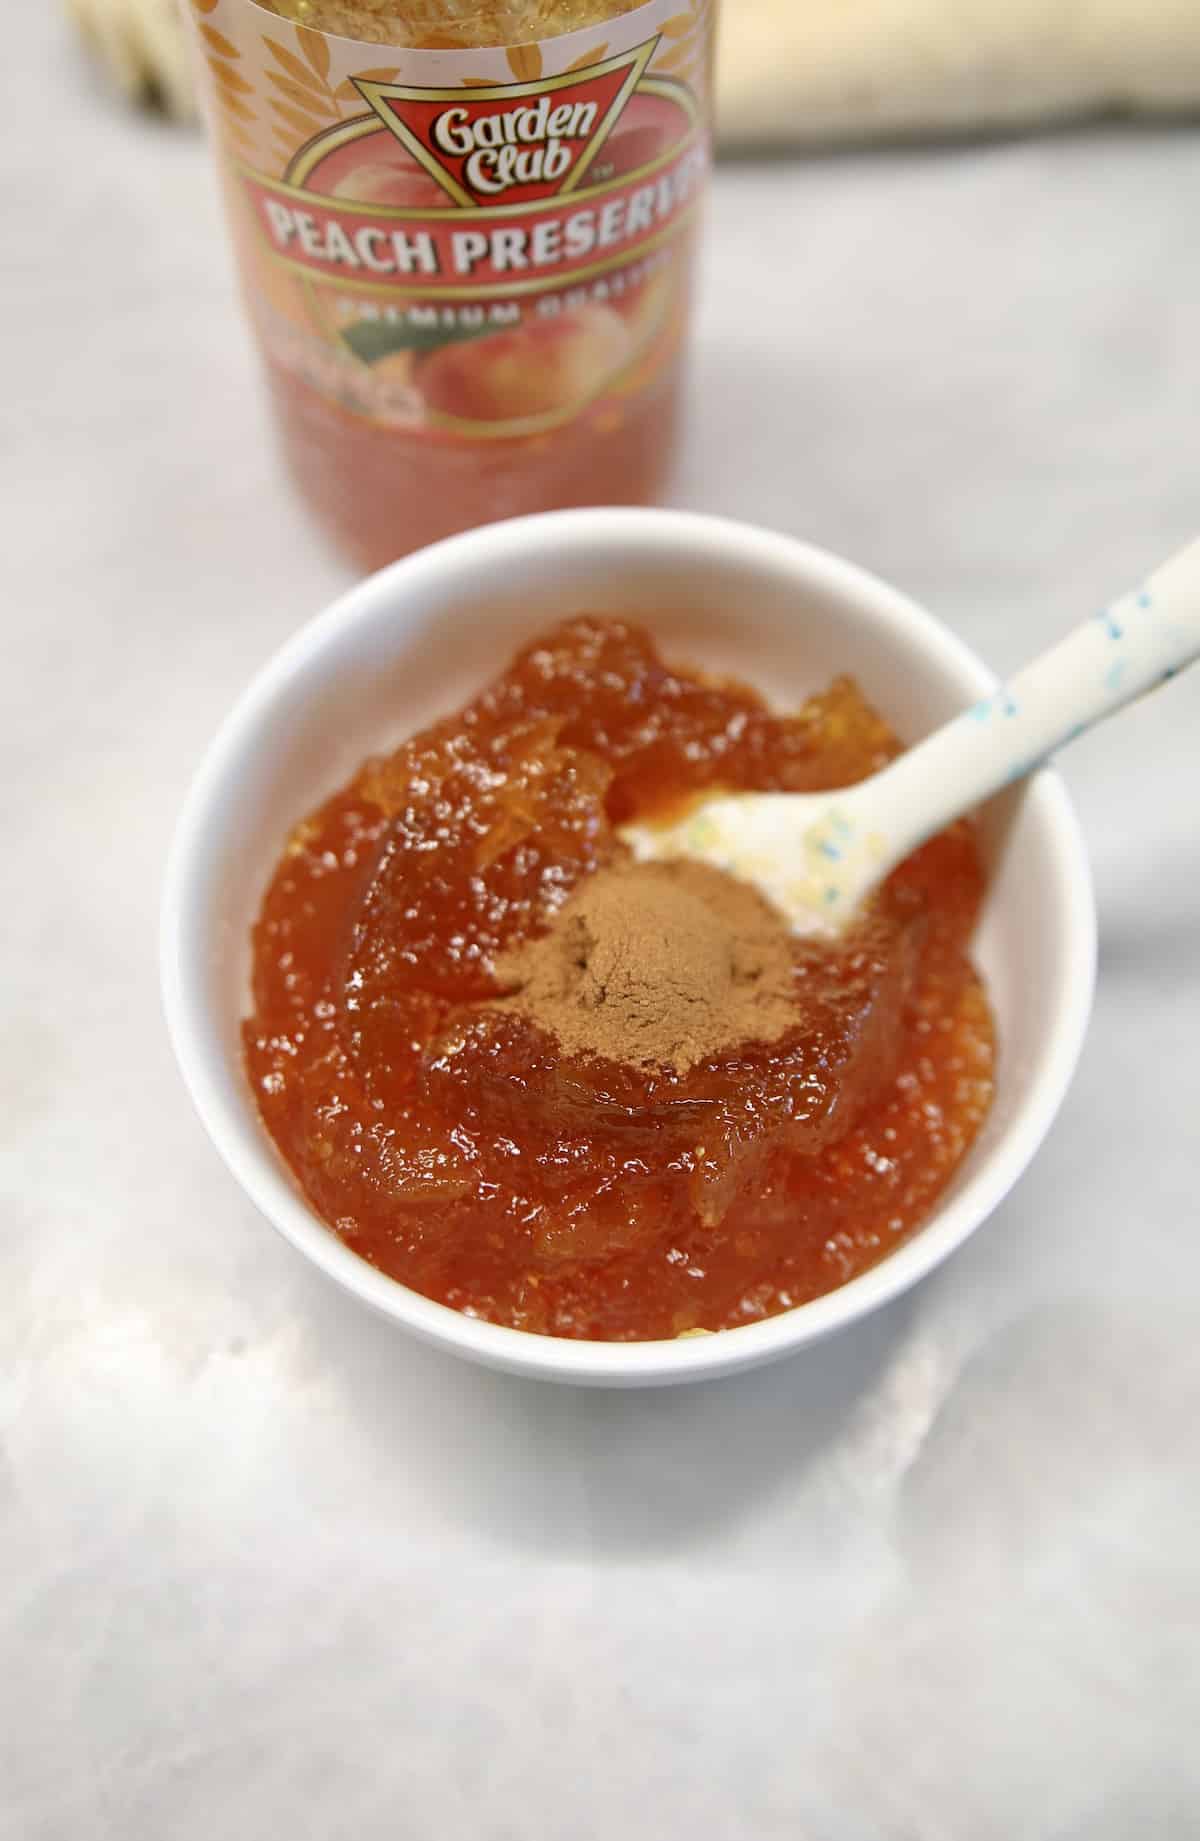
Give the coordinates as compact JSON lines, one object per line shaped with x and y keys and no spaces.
{"x":818,"y":855}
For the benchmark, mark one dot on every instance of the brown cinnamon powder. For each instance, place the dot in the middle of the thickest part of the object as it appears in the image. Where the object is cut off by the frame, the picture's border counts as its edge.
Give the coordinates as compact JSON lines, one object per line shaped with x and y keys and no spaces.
{"x":667,"y":963}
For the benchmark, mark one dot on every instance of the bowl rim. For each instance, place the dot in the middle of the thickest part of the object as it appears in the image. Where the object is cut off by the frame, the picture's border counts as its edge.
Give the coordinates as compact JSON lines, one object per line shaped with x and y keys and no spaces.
{"x":252,"y":1158}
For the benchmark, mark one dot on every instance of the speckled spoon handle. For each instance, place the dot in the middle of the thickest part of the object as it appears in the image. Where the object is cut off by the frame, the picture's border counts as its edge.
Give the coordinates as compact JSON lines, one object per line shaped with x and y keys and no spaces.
{"x":817,"y":856}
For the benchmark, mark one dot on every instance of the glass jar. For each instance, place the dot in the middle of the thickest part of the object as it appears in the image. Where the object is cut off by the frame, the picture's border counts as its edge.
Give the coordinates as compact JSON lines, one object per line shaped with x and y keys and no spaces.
{"x":465,"y":230}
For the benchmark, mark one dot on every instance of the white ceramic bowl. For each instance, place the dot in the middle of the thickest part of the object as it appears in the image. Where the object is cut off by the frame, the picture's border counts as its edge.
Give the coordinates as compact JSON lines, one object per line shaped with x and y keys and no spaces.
{"x":412,"y":643}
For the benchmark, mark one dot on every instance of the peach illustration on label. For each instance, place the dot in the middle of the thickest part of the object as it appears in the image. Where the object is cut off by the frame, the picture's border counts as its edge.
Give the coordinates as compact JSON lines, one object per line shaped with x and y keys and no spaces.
{"x":283,"y":293}
{"x":535,"y":369}
{"x":628,"y":150}
{"x":392,"y":178}
{"x":644,"y":308}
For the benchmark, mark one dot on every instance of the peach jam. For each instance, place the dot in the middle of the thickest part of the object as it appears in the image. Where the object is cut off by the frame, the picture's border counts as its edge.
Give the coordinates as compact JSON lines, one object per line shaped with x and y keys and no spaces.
{"x":454,"y":1144}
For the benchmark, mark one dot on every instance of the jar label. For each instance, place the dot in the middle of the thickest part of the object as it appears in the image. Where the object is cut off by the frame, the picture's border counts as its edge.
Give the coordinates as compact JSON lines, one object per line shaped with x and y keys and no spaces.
{"x":465,"y":243}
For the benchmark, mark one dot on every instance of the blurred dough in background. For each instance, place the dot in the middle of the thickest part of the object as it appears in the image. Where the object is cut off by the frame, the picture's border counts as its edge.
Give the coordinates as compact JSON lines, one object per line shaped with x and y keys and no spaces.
{"x":141,"y":45}
{"x":817,"y":72}
{"x":804,"y":72}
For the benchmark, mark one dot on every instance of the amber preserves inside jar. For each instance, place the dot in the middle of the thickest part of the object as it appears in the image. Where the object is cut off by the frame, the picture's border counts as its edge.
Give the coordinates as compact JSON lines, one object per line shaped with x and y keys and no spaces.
{"x":382,"y":490}
{"x":438,"y":24}
{"x":459,"y":1147}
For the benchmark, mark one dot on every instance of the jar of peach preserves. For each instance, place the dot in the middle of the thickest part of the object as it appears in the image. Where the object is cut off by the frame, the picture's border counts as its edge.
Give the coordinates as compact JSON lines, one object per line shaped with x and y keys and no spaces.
{"x":465,"y":231}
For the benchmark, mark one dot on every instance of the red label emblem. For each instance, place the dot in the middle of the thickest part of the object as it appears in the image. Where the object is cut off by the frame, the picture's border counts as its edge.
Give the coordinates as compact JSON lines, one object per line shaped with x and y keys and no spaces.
{"x":513,"y":143}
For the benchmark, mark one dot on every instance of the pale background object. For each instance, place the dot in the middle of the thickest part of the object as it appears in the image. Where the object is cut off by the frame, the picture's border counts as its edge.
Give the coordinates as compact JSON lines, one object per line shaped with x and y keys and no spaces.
{"x":813,"y":72}
{"x":269,"y":1569}
{"x":140,"y":44}
{"x":808,"y":72}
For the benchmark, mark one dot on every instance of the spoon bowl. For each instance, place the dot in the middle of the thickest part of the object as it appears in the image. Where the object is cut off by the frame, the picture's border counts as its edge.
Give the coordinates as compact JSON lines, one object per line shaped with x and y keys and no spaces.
{"x":816,"y":857}
{"x":412,"y":643}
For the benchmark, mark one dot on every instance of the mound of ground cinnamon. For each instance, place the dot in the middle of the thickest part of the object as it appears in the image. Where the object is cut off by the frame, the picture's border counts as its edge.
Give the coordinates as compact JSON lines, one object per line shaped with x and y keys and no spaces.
{"x":666,"y":963}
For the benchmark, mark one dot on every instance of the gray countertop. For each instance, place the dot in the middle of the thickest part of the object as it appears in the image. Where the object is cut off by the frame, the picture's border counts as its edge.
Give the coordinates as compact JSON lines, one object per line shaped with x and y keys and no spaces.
{"x":269,"y":1569}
